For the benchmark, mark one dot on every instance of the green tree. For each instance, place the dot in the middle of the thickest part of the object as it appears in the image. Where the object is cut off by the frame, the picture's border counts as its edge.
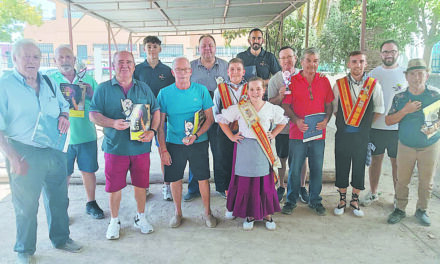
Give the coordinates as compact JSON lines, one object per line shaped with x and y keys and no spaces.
{"x":13,"y":14}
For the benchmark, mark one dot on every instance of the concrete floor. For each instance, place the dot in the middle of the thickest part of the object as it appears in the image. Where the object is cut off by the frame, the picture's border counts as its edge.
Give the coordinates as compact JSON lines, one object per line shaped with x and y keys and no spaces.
{"x":302,"y":237}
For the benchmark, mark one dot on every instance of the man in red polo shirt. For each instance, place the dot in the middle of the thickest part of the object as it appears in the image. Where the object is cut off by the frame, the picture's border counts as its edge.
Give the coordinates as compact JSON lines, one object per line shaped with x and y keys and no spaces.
{"x":311,"y":94}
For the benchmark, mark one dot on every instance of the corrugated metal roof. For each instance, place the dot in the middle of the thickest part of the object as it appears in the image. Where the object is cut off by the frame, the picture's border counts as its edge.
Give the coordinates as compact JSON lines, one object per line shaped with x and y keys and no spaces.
{"x":181,"y":17}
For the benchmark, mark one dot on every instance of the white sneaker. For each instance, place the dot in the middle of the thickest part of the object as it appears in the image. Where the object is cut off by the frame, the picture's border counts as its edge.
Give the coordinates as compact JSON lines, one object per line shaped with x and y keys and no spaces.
{"x":166,"y":192}
{"x":229,"y":215}
{"x":142,"y":223}
{"x":369,"y":198}
{"x":113,"y":230}
{"x":147,"y":192}
{"x":270,"y":225}
{"x":248,"y":224}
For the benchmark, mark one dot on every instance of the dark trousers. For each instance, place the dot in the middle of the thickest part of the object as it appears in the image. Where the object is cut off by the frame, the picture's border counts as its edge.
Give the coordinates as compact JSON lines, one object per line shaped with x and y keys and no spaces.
{"x":193,"y":185}
{"x":350,"y":152}
{"x":225,"y":151}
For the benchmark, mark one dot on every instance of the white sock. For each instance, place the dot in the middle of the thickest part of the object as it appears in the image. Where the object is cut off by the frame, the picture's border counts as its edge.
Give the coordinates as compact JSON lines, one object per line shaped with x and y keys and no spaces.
{"x":114,"y":220}
{"x":140,"y":215}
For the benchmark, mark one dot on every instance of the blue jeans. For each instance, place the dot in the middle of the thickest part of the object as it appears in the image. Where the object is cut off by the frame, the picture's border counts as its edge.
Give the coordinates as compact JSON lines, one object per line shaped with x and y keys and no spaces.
{"x":193,"y":185}
{"x":298,"y":151}
{"x":47,"y":171}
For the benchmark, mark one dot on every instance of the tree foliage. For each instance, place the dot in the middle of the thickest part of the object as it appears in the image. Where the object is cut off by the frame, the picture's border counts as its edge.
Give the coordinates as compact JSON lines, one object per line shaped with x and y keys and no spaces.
{"x":13,"y":14}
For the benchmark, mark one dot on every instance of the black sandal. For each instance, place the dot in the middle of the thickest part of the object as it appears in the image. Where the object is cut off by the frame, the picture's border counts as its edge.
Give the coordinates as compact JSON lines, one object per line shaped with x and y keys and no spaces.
{"x":342,"y":198}
{"x":356,"y":209}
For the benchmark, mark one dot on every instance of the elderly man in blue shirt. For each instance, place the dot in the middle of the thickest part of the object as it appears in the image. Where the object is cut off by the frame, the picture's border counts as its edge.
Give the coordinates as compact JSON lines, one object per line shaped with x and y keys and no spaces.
{"x":24,"y":94}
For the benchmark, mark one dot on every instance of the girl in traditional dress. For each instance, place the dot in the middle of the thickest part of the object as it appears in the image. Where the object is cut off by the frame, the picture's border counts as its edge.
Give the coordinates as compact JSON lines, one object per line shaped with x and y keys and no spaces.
{"x":252,"y":194}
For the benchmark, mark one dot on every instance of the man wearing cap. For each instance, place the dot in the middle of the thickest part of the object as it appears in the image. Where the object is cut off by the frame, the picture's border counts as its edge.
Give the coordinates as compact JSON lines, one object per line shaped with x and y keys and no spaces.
{"x":258,"y":60}
{"x":417,"y":144}
{"x":83,"y":146}
{"x":392,"y":79}
{"x":157,"y":75}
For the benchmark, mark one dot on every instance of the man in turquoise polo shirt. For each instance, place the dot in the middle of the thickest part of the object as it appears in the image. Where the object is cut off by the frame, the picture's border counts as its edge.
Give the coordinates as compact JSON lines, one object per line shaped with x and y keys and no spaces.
{"x":110,"y":109}
{"x":178,"y":104}
{"x":82,"y":144}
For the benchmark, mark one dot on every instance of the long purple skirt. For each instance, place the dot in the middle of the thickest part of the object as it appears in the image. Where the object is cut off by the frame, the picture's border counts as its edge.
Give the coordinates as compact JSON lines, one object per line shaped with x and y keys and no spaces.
{"x":252,"y":196}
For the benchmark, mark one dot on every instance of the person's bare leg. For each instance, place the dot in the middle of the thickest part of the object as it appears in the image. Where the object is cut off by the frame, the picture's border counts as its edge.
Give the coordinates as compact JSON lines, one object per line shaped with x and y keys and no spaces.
{"x":374,"y":172}
{"x":176,"y":190}
{"x":205,"y":192}
{"x":89,"y":181}
{"x":282,"y":172}
{"x":394,"y":172}
{"x":115,"y":202}
{"x":304,"y":173}
{"x":140,"y":196}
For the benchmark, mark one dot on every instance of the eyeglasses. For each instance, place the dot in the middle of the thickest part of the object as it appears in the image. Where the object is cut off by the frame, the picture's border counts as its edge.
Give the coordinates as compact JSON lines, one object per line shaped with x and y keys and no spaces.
{"x":182,"y":70}
{"x":286,"y":58}
{"x":310,"y":92}
{"x":389,"y":52}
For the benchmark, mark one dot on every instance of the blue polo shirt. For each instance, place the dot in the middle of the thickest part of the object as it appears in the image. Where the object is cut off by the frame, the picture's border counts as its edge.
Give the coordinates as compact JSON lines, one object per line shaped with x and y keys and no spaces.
{"x":409,"y":127}
{"x":156,"y":78}
{"x":107,"y":101}
{"x":265,"y":62}
{"x":180,"y":106}
{"x":20,"y":106}
{"x":208,"y":78}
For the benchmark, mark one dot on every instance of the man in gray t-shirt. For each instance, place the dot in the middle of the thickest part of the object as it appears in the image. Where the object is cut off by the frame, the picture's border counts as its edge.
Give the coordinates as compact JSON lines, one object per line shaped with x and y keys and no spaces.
{"x":276,"y":94}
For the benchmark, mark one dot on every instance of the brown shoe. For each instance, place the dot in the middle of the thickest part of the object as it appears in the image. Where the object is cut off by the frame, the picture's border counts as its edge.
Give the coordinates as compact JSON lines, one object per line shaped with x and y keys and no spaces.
{"x":175,"y":221}
{"x":210,"y":221}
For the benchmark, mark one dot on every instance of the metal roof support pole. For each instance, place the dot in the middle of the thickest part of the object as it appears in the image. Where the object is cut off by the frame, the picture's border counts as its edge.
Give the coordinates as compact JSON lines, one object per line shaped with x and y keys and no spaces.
{"x":308,"y":23}
{"x":363,"y":25}
{"x":109,"y":50}
{"x":69,"y":20}
{"x":281,"y":31}
{"x":130,"y":42}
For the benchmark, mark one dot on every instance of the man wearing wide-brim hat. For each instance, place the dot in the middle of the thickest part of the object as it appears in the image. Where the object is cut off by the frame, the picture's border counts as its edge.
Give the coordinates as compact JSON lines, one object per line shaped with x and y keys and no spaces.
{"x":414,"y":145}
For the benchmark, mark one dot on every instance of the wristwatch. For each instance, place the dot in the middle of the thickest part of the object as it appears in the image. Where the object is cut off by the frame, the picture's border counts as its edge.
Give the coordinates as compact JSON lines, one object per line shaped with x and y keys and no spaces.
{"x":154,"y":130}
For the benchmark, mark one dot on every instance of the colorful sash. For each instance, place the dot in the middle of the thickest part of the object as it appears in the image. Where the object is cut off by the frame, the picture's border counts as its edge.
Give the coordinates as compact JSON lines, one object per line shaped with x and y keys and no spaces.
{"x":249,"y":114}
{"x":353,"y":115}
{"x":225,"y":96}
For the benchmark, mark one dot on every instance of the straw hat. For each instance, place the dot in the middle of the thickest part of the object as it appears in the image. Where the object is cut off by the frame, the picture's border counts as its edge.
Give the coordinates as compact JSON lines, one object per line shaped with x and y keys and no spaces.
{"x":417,"y":64}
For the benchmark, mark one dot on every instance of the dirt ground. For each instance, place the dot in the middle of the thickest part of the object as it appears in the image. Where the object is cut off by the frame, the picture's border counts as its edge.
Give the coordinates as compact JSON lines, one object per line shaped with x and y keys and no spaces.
{"x":302,"y":237}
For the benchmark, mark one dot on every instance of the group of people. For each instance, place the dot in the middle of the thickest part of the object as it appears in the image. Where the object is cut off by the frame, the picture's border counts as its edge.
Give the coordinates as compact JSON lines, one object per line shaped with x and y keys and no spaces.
{"x":257,"y":114}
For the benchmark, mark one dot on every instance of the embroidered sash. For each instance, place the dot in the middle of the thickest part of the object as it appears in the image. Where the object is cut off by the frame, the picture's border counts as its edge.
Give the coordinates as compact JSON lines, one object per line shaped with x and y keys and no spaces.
{"x":249,"y":114}
{"x":225,"y":96}
{"x":353,"y":114}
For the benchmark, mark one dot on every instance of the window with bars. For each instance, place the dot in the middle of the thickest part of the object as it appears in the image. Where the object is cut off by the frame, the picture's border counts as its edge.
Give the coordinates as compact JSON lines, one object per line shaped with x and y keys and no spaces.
{"x":168,"y":50}
{"x":435,"y":61}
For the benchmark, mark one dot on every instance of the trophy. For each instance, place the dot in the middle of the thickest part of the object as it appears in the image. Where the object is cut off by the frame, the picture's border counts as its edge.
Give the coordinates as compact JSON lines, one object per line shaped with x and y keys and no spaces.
{"x":286,"y":78}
